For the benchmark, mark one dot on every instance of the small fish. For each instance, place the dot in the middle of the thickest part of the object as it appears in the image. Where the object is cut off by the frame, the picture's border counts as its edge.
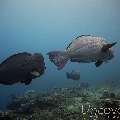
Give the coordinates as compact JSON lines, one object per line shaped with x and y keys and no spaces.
{"x":83,"y":49}
{"x":73,"y":75}
{"x":21,"y":67}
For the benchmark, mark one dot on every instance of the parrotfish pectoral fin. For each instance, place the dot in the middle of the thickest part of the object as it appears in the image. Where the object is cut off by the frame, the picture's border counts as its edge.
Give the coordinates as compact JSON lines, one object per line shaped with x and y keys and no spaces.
{"x":107,"y":46}
{"x":98,"y":63}
{"x":58,"y":58}
{"x":27,"y":82}
{"x":22,"y":81}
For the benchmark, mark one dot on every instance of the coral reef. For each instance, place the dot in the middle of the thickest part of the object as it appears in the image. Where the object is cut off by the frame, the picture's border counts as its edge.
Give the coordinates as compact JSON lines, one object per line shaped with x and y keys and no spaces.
{"x":64,"y":104}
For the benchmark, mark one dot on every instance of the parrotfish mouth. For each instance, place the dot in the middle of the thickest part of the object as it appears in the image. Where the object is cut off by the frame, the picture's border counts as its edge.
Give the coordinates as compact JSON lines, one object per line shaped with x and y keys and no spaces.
{"x":35,"y":73}
{"x":38,"y":72}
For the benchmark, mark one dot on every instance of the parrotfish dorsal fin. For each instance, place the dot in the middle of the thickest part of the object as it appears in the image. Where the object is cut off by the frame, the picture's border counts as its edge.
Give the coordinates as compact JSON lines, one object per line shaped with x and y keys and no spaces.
{"x":107,"y":46}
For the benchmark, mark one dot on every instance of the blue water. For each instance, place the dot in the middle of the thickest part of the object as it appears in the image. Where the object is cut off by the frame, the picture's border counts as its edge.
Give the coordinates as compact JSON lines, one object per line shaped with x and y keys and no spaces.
{"x":45,"y":25}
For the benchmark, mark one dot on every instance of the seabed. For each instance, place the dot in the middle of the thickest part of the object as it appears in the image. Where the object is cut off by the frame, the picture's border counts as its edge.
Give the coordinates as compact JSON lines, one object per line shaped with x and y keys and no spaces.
{"x":65,"y":104}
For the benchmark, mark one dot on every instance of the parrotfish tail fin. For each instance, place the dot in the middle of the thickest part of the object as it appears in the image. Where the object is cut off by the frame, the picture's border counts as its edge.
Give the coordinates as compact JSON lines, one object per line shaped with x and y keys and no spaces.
{"x":67,"y":75}
{"x":59,"y":58}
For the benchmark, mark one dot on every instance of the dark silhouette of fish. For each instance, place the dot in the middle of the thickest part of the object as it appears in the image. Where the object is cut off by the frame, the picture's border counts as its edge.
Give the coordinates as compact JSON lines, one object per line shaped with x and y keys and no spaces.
{"x":21,"y":67}
{"x":73,"y":75}
{"x":83,"y":49}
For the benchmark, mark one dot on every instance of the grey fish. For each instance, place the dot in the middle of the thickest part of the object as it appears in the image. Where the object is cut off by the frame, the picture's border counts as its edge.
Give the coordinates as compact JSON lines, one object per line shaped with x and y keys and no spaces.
{"x":21,"y":67}
{"x":83,"y":49}
{"x":73,"y":75}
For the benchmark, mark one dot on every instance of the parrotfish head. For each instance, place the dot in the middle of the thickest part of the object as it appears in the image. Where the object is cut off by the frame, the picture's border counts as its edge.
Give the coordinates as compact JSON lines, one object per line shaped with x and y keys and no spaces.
{"x":38,"y":67}
{"x":108,"y":55}
{"x":107,"y":51}
{"x":39,"y":59}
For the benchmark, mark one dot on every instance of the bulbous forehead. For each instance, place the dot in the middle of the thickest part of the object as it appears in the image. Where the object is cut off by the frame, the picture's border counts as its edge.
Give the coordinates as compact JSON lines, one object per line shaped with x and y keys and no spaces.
{"x":38,"y":56}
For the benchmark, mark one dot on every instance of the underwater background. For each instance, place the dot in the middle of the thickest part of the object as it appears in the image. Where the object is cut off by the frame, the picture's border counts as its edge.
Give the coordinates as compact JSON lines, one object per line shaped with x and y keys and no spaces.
{"x":43,"y":26}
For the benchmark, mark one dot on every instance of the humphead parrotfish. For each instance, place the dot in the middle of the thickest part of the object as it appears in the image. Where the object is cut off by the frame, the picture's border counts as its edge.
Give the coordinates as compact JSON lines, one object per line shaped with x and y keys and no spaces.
{"x":21,"y":67}
{"x":84,"y":49}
